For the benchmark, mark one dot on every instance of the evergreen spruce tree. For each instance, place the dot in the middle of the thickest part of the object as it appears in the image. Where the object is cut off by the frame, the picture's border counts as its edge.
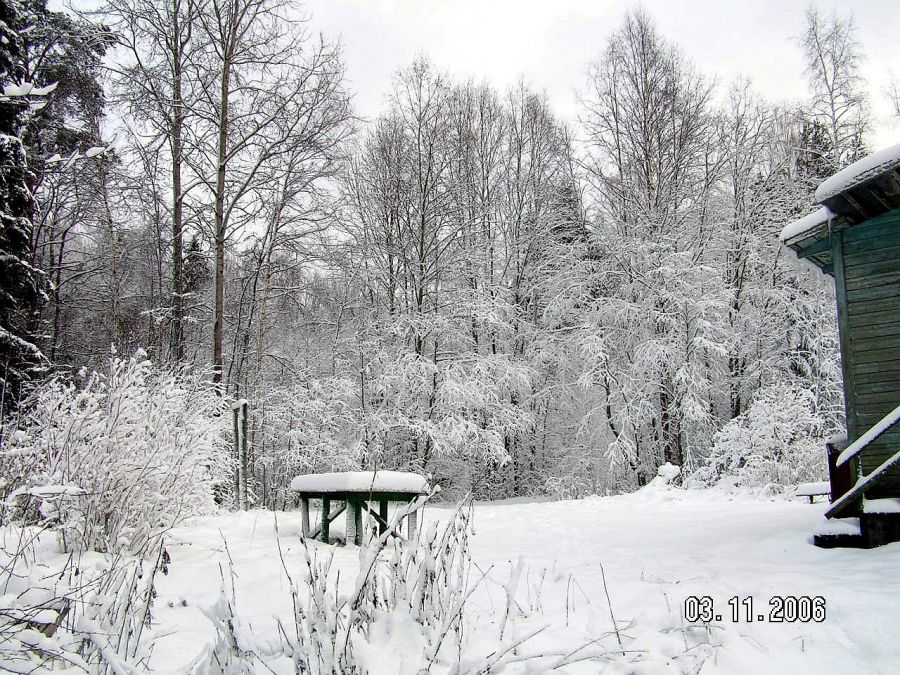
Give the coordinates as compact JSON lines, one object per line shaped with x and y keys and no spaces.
{"x":815,"y":150}
{"x":21,"y":285}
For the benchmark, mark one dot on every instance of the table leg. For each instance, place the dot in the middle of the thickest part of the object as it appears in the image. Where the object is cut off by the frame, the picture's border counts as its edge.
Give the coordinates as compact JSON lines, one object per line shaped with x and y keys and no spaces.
{"x":354,"y":522}
{"x":304,"y":516}
{"x":383,"y":512}
{"x":326,"y":511}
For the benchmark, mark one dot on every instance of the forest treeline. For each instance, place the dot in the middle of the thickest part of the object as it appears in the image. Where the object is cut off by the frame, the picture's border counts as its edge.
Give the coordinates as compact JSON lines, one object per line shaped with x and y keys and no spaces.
{"x":464,"y":286}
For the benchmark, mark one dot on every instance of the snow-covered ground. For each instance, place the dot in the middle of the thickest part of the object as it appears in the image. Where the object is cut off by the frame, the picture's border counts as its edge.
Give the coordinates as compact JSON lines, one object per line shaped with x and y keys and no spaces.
{"x":655,"y":548}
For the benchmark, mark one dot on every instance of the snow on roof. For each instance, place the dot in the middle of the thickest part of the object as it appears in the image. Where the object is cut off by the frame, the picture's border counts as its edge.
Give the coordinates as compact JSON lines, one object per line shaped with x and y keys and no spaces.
{"x":806,"y":224}
{"x":859,"y":172}
{"x":360,"y":481}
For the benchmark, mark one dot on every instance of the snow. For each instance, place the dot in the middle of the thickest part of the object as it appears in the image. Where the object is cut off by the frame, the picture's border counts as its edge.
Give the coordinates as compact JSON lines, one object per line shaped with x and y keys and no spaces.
{"x":15,"y":90}
{"x":886,"y":505}
{"x":646,"y":552}
{"x":859,"y":172}
{"x":50,"y":491}
{"x":803,"y":225}
{"x":860,"y":443}
{"x":838,"y":526}
{"x":27,"y":89}
{"x":75,"y":594}
{"x":94,"y":151}
{"x":361,"y":481}
{"x":666,"y":474}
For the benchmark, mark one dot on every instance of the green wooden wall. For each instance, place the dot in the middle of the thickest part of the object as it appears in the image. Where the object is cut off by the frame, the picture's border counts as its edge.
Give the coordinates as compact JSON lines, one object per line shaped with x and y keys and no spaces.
{"x":867,"y":286}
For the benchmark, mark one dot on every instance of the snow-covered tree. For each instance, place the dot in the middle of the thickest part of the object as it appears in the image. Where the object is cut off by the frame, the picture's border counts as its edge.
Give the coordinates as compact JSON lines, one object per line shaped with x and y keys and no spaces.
{"x":22,"y":291}
{"x":778,"y":440}
{"x":652,"y":166}
{"x":309,"y":426}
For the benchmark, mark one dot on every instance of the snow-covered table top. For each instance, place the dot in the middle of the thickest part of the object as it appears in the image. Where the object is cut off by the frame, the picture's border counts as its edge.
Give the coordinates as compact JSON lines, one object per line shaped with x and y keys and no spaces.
{"x":813,"y":489}
{"x":360,"y":481}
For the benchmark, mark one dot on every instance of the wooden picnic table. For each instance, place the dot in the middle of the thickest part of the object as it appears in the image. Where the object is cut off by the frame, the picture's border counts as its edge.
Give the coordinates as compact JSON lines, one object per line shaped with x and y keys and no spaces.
{"x":356,"y":492}
{"x":813,"y":490}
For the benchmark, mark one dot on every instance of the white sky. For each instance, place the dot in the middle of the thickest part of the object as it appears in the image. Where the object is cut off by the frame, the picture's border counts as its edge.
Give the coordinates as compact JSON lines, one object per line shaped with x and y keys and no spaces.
{"x":551,"y":42}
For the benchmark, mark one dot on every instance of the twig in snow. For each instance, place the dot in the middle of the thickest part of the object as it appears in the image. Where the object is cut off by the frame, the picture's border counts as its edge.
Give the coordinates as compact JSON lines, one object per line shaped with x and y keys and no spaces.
{"x":567,"y":658}
{"x":609,"y":604}
{"x":509,"y":587}
{"x":489,"y":664}
{"x":452,"y":617}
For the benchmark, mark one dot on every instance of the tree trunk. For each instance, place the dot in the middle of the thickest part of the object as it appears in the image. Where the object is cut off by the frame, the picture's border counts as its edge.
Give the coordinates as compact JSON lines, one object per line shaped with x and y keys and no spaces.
{"x":177,"y":337}
{"x":114,"y":257}
{"x":220,"y":223}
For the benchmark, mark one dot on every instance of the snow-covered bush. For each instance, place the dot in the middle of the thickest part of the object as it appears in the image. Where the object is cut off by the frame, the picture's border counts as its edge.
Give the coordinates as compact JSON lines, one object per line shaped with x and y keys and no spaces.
{"x":120,"y":457}
{"x":420,"y":584}
{"x":578,"y":473}
{"x":779,"y":440}
{"x":75,"y":613}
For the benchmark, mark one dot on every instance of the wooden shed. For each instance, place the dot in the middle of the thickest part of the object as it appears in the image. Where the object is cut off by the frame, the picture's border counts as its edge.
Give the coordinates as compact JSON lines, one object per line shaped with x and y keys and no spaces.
{"x":855,"y":238}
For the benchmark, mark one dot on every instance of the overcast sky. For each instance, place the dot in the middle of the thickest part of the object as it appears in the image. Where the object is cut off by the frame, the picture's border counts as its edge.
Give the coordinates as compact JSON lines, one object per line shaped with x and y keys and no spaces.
{"x":550,"y":42}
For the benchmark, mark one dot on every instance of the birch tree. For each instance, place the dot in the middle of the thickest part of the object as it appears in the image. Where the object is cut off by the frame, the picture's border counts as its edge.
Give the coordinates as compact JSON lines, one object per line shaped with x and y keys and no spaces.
{"x":833,"y":60}
{"x":261,"y":66}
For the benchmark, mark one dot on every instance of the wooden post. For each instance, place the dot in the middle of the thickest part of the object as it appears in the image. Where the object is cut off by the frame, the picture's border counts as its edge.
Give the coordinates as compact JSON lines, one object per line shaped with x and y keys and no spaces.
{"x":239,"y":412}
{"x":244,"y":468}
{"x":411,"y":524}
{"x":326,"y":511}
{"x":236,"y":429}
{"x":383,"y":512}
{"x":354,"y":521}
{"x":840,"y":292}
{"x":357,"y":518}
{"x":304,"y":516}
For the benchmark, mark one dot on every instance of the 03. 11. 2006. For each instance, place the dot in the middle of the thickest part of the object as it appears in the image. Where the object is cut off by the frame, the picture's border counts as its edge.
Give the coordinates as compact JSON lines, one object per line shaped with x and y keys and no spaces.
{"x":781,"y":609}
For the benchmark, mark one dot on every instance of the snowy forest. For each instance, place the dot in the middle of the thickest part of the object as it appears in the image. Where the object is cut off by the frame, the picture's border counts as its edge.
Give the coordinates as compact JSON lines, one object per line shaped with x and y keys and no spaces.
{"x":465,"y":287}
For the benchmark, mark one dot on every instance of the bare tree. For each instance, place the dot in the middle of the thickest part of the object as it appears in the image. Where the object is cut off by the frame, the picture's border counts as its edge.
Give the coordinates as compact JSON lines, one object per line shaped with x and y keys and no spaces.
{"x":647,"y":121}
{"x":893,"y":94}
{"x":261,"y":67}
{"x":833,"y":58}
{"x":154,"y":87}
{"x":293,"y":209}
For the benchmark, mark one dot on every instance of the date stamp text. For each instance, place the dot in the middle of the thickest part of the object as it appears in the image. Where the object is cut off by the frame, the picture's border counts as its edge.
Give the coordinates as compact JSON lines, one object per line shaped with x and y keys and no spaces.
{"x":780,"y":609}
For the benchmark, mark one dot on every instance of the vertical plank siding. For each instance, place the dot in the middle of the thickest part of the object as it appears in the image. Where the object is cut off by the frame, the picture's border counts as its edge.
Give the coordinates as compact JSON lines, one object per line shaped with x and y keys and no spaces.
{"x":867,"y":289}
